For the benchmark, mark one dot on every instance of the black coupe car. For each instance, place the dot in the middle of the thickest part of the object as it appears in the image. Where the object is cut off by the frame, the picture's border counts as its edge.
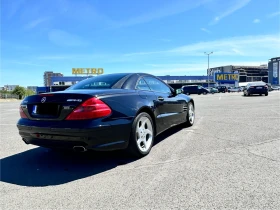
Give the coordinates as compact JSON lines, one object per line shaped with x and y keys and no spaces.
{"x":253,"y":88}
{"x":106,"y":112}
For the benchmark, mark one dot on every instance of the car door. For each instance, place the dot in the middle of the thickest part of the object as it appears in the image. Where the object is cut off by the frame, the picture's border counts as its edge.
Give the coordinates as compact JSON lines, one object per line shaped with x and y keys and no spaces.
{"x":169,"y":107}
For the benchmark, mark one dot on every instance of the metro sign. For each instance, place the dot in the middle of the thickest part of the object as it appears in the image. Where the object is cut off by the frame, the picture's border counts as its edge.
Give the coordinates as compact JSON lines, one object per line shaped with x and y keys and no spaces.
{"x":87,"y":71}
{"x":226,"y":77}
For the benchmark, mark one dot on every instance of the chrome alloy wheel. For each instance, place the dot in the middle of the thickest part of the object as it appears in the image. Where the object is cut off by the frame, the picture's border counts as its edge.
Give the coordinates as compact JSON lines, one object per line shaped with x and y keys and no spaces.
{"x":144,"y":134}
{"x":191,"y":113}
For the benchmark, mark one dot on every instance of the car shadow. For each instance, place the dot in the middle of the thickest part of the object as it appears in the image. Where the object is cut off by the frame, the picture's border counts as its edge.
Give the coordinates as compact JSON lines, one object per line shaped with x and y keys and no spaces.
{"x":41,"y":167}
{"x":44,"y":167}
{"x":253,"y":96}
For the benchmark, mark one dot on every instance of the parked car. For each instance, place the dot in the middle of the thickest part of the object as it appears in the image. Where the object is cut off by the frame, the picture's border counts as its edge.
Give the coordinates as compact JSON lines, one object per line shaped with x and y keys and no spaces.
{"x":254,"y":88}
{"x":234,"y":89}
{"x":106,"y":112}
{"x":222,"y":89}
{"x":194,"y":89}
{"x":212,"y":90}
{"x":275,"y":87}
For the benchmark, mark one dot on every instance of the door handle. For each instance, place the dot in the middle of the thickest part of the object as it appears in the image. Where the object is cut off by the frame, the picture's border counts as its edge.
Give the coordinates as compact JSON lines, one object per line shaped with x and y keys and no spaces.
{"x":160,"y":98}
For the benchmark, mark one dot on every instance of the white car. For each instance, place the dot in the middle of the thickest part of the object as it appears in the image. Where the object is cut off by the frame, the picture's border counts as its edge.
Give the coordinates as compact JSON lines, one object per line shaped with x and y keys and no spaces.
{"x":275,"y":87}
{"x":234,"y":89}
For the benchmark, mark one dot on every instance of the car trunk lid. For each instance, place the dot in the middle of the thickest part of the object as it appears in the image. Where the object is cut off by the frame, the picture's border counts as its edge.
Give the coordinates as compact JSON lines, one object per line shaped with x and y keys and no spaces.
{"x":52,"y":106}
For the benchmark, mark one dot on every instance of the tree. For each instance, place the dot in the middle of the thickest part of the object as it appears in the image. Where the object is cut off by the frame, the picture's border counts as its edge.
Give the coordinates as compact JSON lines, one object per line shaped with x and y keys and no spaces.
{"x":29,"y":92}
{"x":20,"y":91}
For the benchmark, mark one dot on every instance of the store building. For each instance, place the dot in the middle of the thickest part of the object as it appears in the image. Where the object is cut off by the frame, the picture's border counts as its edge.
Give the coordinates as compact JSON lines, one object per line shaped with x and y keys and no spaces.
{"x":48,"y":75}
{"x":274,"y":71}
{"x":246,"y":73}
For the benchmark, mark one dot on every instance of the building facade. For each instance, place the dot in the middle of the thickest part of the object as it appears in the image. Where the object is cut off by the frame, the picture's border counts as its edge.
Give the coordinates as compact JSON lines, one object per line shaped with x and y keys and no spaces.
{"x":10,"y":87}
{"x":48,"y":75}
{"x":246,"y":73}
{"x":274,"y":71}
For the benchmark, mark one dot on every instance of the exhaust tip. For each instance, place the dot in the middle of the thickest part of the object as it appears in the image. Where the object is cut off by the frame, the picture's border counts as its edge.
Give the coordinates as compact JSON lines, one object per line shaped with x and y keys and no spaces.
{"x":25,"y":141}
{"x":79,"y":149}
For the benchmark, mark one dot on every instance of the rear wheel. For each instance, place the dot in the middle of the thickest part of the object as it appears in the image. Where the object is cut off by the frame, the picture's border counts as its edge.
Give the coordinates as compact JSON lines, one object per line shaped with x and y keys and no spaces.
{"x":142,"y":135}
{"x":266,"y":94}
{"x":190,"y":115}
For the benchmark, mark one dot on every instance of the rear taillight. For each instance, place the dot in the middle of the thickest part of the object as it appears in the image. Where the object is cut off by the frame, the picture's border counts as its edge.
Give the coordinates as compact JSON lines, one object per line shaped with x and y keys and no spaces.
{"x":90,"y":109}
{"x":252,"y":87}
{"x":21,"y":112}
{"x":266,"y":86}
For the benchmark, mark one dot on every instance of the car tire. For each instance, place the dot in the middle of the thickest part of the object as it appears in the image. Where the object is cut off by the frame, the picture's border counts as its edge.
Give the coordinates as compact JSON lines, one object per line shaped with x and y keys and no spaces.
{"x":190,"y":115}
{"x":266,"y":94}
{"x":142,"y":135}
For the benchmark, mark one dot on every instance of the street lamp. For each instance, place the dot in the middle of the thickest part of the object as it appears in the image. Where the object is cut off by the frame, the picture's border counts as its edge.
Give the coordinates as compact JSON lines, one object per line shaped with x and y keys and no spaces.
{"x":208,"y":65}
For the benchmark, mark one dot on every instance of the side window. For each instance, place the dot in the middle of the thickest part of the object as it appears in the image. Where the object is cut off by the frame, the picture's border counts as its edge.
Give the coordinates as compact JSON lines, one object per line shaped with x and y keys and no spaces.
{"x":142,"y":85}
{"x":157,"y":85}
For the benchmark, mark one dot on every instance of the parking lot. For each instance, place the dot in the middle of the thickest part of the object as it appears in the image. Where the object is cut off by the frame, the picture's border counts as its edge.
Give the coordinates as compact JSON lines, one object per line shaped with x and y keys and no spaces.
{"x":229,"y":159}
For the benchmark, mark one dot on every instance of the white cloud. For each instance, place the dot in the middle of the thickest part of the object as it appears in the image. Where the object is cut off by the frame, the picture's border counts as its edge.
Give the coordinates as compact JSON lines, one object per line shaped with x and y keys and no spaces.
{"x":256,"y":20}
{"x":36,"y":22}
{"x":163,"y":10}
{"x":249,"y":46}
{"x":274,"y":14}
{"x":196,"y":68}
{"x":63,"y":38}
{"x":205,"y":30}
{"x":234,"y":5}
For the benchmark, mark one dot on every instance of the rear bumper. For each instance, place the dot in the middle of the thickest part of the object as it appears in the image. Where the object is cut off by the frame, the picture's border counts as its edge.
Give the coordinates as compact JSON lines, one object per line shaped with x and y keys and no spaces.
{"x":106,"y":137}
{"x":257,"y":91}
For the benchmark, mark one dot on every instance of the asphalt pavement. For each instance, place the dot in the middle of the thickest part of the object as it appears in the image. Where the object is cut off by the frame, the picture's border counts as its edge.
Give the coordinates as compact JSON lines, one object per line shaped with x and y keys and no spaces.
{"x":229,"y":159}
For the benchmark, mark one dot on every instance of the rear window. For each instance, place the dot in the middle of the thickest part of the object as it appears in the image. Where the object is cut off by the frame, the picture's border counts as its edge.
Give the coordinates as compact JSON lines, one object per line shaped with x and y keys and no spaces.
{"x":257,"y":84}
{"x":98,"y":82}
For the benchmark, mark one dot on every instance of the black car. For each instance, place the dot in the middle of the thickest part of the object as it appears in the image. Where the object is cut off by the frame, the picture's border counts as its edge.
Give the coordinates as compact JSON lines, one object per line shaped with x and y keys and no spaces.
{"x":106,"y":112}
{"x":194,"y":89}
{"x":255,"y":88}
{"x":222,"y":89}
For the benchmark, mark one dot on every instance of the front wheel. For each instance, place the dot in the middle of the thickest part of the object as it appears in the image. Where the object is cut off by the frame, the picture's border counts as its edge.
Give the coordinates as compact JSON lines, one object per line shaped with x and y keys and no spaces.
{"x":142,"y":135}
{"x":190,"y":115}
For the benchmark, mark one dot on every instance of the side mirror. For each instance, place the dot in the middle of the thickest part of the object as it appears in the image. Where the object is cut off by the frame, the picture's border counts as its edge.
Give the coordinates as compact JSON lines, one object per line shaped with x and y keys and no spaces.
{"x":178,"y":91}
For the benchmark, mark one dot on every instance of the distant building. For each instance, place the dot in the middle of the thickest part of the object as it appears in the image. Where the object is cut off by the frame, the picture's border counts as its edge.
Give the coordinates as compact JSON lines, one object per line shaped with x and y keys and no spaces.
{"x":10,"y":87}
{"x":48,"y":75}
{"x":67,"y":80}
{"x":33,"y":88}
{"x":246,"y":73}
{"x":274,"y":71}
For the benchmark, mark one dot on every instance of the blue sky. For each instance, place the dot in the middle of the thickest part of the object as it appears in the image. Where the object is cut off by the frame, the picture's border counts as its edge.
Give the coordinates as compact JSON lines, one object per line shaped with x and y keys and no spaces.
{"x":161,"y":37}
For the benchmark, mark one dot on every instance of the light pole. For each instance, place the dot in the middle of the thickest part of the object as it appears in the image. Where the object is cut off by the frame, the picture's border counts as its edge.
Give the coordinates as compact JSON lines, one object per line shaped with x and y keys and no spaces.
{"x":208,"y":65}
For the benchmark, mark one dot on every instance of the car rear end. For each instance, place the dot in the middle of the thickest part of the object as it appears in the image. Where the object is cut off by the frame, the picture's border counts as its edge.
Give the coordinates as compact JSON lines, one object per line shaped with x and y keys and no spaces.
{"x":259,"y":89}
{"x":70,"y":121}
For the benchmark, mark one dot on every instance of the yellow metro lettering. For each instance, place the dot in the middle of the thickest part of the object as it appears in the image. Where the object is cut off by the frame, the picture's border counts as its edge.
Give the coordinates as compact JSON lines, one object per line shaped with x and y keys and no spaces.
{"x":93,"y":71}
{"x":77,"y":71}
{"x":219,"y":77}
{"x":100,"y":71}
